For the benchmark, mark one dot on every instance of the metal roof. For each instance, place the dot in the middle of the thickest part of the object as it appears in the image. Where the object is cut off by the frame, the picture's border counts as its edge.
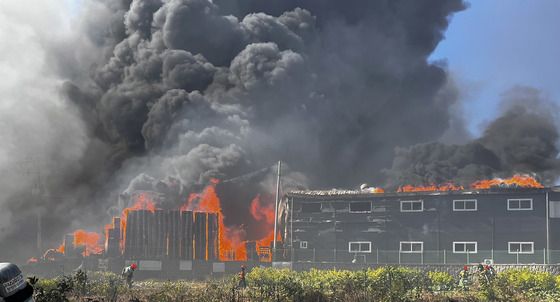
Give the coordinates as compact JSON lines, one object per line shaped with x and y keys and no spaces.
{"x":360,"y":194}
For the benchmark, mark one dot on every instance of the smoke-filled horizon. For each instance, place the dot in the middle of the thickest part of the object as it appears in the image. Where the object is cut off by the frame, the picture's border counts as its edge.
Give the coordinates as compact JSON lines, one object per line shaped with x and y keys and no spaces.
{"x":165,"y":95}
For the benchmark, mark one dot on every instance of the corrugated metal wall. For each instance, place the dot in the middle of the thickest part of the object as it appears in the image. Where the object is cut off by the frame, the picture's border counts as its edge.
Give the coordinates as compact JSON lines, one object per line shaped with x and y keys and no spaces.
{"x":172,"y":234}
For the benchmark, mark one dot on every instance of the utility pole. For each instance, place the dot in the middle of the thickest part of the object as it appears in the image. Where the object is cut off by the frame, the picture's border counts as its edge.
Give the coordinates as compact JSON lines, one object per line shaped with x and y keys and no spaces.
{"x":276,"y":210}
{"x":39,"y":233}
{"x":30,"y":167}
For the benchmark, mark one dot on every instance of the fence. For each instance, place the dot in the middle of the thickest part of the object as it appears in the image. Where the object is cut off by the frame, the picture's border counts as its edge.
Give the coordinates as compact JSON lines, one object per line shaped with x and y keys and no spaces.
{"x":377,"y":256}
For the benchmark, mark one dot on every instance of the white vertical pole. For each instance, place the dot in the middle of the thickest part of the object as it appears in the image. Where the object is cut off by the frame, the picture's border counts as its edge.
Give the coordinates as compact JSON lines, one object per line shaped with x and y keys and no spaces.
{"x":276,"y":210}
{"x":314,"y":255}
{"x":292,"y":230}
{"x":547,"y":258}
{"x":444,"y":257}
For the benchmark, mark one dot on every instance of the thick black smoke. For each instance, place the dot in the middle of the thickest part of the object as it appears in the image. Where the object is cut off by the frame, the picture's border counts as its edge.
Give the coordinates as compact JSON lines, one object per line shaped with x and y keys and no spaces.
{"x":217,"y":89}
{"x":524,"y":139}
{"x":187,"y":90}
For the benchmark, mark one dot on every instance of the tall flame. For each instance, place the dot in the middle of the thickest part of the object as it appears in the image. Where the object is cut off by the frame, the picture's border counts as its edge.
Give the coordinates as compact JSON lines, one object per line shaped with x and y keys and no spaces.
{"x":142,"y":202}
{"x":518,"y":180}
{"x":266,"y":215}
{"x":231,"y":239}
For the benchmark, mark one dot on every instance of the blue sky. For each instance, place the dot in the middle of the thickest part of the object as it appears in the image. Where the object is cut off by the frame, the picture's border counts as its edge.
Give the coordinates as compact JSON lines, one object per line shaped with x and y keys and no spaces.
{"x":494,"y":45}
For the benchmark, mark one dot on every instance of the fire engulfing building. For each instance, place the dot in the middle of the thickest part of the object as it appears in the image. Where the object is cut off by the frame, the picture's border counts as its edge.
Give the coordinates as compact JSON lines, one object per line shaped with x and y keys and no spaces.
{"x":164,"y":234}
{"x":501,"y":224}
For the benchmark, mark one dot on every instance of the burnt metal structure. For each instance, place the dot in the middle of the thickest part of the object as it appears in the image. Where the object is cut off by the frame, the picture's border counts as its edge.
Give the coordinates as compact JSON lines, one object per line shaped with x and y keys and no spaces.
{"x":165,"y":234}
{"x":504,"y":225}
{"x":113,"y":239}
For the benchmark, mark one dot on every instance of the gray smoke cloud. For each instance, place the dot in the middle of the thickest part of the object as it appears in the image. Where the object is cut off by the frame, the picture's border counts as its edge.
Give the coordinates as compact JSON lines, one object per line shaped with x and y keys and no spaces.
{"x":523,"y":139}
{"x":187,"y":90}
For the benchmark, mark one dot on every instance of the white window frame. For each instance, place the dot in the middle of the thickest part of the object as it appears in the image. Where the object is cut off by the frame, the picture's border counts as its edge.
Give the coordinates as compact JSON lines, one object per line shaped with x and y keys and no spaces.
{"x":350,"y":207}
{"x":360,"y":243}
{"x":521,"y":243}
{"x":464,"y":201}
{"x":411,"y":251}
{"x":303,"y":244}
{"x":519,"y":201}
{"x":412,"y":201}
{"x":465,"y":242}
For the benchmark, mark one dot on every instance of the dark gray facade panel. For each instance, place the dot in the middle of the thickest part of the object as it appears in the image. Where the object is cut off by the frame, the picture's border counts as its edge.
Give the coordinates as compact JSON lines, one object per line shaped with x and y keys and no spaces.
{"x":327,"y":229}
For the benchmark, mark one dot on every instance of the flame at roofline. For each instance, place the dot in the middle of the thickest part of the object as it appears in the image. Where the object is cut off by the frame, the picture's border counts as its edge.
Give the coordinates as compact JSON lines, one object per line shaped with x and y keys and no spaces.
{"x":517,"y":181}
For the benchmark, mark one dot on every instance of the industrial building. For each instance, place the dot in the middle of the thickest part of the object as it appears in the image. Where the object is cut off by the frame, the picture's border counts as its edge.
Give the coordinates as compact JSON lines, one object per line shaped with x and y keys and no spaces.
{"x":500,"y":225}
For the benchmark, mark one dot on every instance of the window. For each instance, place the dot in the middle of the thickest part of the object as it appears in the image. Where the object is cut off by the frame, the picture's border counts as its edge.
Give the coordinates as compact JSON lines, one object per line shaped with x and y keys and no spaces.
{"x":360,"y":207}
{"x":463,"y":247}
{"x":303,"y":244}
{"x":311,"y":207}
{"x":412,"y":246}
{"x":521,"y":247}
{"x":412,"y":206}
{"x":359,"y":246}
{"x":520,"y":204}
{"x":465,"y":205}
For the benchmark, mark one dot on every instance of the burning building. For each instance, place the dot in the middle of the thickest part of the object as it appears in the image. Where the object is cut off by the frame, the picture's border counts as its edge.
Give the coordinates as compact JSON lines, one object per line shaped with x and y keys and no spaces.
{"x":505,"y":221}
{"x":165,"y":234}
{"x":170,"y":241}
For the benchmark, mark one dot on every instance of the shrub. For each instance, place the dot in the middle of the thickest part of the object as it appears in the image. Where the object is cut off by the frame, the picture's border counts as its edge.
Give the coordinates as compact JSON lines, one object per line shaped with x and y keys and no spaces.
{"x":441,"y":281}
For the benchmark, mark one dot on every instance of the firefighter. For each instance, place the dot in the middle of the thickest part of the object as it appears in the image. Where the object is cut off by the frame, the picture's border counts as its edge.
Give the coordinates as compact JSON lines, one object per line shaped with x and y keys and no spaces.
{"x":128,"y":274}
{"x":480,"y":268}
{"x":464,"y":278}
{"x":242,"y":282}
{"x":489,"y":273}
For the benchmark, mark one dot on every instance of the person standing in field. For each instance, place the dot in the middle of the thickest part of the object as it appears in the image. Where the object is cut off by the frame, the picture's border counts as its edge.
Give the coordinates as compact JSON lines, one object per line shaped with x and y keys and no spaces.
{"x":128,"y":274}
{"x":242,"y":282}
{"x":464,"y":278}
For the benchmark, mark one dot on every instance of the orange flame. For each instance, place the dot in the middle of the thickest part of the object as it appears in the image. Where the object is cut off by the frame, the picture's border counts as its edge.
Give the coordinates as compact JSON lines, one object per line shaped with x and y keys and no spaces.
{"x":106,"y":229}
{"x":266,"y":214}
{"x":143,"y":202}
{"x":375,"y":190}
{"x":442,"y":187}
{"x":230,"y":238}
{"x":60,"y":248}
{"x":89,"y":240}
{"x":260,"y":213}
{"x":518,"y":180}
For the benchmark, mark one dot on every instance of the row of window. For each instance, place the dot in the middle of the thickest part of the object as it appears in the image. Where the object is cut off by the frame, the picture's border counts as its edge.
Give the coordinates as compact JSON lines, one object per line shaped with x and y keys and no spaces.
{"x":461,"y":205}
{"x":459,"y":247}
{"x":517,"y":204}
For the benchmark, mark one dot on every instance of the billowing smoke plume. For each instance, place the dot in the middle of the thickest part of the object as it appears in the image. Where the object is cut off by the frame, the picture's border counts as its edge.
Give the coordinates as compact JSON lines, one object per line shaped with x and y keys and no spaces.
{"x":522,"y":140}
{"x":173,"y":93}
{"x":200,"y":89}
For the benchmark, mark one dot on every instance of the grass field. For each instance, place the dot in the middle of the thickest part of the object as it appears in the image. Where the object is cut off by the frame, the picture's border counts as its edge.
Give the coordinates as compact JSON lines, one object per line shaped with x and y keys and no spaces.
{"x":266,"y":284}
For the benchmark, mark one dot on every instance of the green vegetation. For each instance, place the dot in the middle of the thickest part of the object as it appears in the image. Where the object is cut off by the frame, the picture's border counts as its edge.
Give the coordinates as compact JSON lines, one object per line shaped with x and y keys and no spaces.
{"x":395,"y":284}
